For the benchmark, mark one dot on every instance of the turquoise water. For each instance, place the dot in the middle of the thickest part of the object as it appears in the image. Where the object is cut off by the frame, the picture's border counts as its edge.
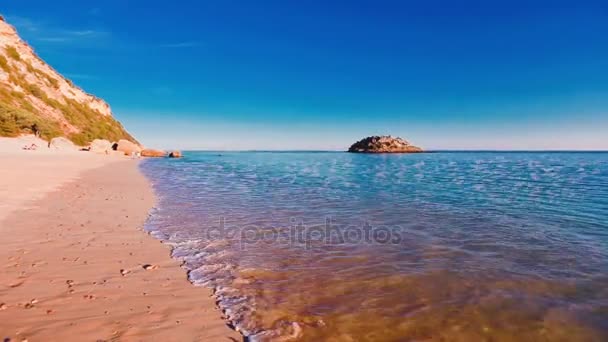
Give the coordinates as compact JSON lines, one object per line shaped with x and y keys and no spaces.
{"x":347,"y":247}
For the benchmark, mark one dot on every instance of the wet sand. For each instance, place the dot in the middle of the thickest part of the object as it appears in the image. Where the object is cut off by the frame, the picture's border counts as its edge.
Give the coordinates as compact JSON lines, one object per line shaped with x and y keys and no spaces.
{"x":75,"y":264}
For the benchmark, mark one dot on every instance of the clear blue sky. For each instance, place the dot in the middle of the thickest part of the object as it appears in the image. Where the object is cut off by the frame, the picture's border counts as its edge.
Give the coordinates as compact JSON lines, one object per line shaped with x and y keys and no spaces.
{"x":314,"y":75}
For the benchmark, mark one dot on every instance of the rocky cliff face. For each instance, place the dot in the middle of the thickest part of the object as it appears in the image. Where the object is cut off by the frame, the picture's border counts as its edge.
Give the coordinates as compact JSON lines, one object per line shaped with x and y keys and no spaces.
{"x":36,"y":98}
{"x":383,"y":144}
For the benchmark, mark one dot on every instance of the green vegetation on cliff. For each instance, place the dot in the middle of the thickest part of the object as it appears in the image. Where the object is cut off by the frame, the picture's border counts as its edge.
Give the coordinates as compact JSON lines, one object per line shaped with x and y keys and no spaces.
{"x":91,"y":123}
{"x":14,"y":121}
{"x":12,"y":53}
{"x":4,"y":64}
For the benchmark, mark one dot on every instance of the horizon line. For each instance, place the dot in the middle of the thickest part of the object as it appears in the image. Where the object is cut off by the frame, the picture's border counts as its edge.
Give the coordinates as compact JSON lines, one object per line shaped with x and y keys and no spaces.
{"x":427,"y":151}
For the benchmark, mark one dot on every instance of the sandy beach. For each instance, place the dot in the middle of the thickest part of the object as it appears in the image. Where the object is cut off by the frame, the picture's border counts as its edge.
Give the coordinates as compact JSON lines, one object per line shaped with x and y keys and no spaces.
{"x":76,"y":264}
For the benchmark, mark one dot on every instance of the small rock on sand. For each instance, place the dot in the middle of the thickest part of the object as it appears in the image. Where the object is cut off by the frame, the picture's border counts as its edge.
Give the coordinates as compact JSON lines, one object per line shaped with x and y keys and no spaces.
{"x":126,"y":147}
{"x":100,"y":146}
{"x":62,"y":144}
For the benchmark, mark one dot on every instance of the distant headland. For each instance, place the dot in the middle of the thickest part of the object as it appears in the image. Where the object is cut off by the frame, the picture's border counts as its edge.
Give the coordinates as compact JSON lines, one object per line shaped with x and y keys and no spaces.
{"x":384,"y":144}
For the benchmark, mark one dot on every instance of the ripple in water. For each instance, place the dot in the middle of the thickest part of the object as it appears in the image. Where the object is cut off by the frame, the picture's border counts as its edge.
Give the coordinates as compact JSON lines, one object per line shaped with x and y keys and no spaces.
{"x":347,"y":247}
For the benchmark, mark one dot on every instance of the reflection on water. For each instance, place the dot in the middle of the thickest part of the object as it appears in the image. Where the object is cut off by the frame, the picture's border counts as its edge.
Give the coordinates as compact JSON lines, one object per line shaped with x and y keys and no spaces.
{"x":442,"y":246}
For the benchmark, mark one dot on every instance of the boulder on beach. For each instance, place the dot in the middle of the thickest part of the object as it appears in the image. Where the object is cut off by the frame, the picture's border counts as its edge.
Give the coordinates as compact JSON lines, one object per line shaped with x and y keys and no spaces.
{"x":62,"y":144}
{"x":127,"y":147}
{"x":100,"y":146}
{"x":383,"y":144}
{"x":175,"y":154}
{"x":153,"y":153}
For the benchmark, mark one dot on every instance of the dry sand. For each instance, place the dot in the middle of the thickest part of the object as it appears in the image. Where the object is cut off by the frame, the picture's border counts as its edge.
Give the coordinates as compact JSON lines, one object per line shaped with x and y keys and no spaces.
{"x":29,"y":175}
{"x":69,"y":224}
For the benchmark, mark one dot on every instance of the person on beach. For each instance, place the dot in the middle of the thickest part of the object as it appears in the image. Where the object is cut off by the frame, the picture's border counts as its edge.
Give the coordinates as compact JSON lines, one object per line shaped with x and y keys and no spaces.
{"x":35,"y":130}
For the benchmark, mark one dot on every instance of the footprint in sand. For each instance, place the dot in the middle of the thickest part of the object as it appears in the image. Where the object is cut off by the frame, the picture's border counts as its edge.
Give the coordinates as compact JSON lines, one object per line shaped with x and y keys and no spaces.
{"x":17,"y":284}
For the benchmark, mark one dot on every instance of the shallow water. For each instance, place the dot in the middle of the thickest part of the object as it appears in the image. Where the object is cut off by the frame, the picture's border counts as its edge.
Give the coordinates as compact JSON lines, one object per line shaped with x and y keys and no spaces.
{"x":348,"y":247}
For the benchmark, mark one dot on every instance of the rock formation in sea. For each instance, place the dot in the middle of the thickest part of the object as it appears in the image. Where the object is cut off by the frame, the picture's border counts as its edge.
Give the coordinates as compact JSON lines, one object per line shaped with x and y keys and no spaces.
{"x":383,"y":144}
{"x":153,"y":153}
{"x":175,"y":154}
{"x":36,"y":99}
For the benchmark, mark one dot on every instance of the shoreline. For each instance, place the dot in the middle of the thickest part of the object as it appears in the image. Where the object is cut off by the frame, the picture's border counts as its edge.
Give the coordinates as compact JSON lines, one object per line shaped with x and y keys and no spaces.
{"x":78,"y":264}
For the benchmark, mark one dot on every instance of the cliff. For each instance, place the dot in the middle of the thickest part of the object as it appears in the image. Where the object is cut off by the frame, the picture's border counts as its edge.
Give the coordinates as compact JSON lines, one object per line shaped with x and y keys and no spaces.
{"x":383,"y":144}
{"x":34,"y":98}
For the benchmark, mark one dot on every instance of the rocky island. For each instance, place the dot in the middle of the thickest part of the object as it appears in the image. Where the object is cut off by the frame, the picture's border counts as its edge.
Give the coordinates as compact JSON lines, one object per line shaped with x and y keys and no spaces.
{"x":383,"y":144}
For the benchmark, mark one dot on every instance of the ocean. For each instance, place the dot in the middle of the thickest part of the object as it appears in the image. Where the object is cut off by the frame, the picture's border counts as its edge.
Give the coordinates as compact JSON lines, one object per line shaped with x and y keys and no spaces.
{"x":445,"y":246}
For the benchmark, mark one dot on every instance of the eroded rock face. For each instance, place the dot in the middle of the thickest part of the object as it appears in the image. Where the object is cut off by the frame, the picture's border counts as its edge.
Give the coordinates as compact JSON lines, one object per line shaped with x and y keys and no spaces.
{"x":62,"y":144}
{"x":153,"y":153}
{"x":100,"y":146}
{"x":126,"y":147}
{"x":29,"y":84}
{"x":383,"y":144}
